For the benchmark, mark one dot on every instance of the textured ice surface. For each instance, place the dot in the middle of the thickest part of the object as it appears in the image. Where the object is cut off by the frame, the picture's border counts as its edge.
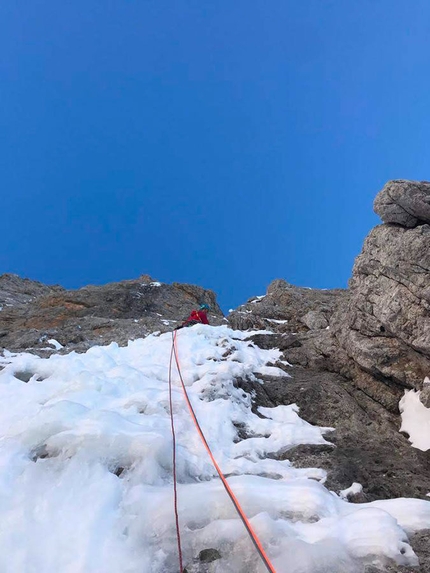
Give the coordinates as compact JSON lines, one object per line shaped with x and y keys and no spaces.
{"x":86,"y":468}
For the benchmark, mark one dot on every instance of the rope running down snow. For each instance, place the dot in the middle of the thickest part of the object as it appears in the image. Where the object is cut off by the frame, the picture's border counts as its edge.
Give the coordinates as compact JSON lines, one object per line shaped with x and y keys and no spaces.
{"x":175,"y":489}
{"x":253,"y":535}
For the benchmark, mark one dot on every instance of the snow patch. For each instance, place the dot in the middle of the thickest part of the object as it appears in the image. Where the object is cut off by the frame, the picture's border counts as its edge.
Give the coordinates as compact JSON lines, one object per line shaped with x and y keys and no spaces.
{"x":415,"y":420}
{"x":258,"y":299}
{"x":352,"y":490}
{"x":152,"y":284}
{"x":55,"y":344}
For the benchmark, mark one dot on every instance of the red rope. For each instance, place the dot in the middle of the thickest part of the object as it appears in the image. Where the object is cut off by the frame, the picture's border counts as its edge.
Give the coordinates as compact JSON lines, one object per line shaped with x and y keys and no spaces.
{"x":253,"y":535}
{"x":175,"y":488}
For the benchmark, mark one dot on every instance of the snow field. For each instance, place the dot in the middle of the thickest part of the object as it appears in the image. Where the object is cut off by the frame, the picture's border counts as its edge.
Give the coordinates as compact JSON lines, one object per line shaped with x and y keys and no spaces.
{"x":86,"y":467}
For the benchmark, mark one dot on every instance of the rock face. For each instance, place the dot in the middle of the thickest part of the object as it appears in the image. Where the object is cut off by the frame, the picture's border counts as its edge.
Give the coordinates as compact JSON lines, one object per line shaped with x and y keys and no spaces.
{"x":367,"y":446}
{"x":287,"y":308}
{"x":377,"y":333}
{"x":384,"y":324}
{"x":15,"y":291}
{"x":78,"y":319}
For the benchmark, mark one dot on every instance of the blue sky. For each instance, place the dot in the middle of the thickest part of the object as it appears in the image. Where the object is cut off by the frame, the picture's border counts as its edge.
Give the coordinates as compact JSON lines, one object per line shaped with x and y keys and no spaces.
{"x":222,"y":143}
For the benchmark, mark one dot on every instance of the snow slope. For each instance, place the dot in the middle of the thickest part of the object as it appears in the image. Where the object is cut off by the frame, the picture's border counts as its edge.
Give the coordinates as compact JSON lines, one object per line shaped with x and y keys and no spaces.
{"x":86,"y":470}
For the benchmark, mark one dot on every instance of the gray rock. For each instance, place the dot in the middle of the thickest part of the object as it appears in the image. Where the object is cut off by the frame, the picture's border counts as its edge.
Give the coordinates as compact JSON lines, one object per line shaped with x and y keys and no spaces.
{"x":204,"y":563}
{"x":377,"y":333}
{"x":281,"y":341}
{"x":367,"y":446}
{"x":405,"y":203}
{"x":15,"y":291}
{"x":315,"y":320}
{"x":79,"y":319}
{"x":209,"y":555}
{"x":384,"y":324}
{"x":284,"y":306}
{"x":425,"y":393}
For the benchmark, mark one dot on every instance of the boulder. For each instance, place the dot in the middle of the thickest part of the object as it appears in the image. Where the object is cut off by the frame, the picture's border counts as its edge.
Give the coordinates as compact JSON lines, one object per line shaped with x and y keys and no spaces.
{"x":315,"y":320}
{"x":405,"y":203}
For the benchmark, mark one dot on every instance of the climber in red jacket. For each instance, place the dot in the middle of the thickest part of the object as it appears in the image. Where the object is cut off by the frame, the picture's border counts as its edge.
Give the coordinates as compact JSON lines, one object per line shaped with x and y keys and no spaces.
{"x":197,"y":317}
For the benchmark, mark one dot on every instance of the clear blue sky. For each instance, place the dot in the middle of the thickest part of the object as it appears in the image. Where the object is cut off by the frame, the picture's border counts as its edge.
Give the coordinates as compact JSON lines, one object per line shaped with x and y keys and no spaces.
{"x":219,"y":143}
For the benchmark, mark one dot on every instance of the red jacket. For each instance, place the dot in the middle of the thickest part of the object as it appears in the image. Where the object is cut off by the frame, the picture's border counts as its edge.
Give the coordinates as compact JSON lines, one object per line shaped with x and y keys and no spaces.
{"x":198,"y":316}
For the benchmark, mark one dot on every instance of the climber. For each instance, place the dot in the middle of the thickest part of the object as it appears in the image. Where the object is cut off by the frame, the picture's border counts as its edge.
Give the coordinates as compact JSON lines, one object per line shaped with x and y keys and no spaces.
{"x":196,"y":317}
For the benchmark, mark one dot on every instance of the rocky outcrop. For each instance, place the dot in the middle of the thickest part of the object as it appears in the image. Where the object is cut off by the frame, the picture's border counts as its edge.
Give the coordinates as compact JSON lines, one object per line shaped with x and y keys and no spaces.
{"x":367,"y":446}
{"x":15,"y":291}
{"x":78,"y":319}
{"x":287,"y":308}
{"x":377,"y":333}
{"x":406,"y":203}
{"x":387,"y":328}
{"x":383,"y":326}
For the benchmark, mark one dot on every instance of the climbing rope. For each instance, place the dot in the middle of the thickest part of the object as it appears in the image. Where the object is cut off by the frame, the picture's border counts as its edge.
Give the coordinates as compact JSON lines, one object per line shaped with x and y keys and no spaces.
{"x":235,"y":501}
{"x":175,"y":488}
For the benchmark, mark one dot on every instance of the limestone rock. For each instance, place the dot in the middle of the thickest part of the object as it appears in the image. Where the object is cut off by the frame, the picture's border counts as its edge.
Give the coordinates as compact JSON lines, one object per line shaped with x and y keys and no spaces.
{"x":281,"y":341}
{"x":377,"y":333}
{"x":425,"y":393}
{"x":406,"y":203}
{"x":367,"y":446}
{"x":287,"y":308}
{"x":384,"y":325}
{"x":79,"y":319}
{"x":15,"y":291}
{"x":315,"y":320}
